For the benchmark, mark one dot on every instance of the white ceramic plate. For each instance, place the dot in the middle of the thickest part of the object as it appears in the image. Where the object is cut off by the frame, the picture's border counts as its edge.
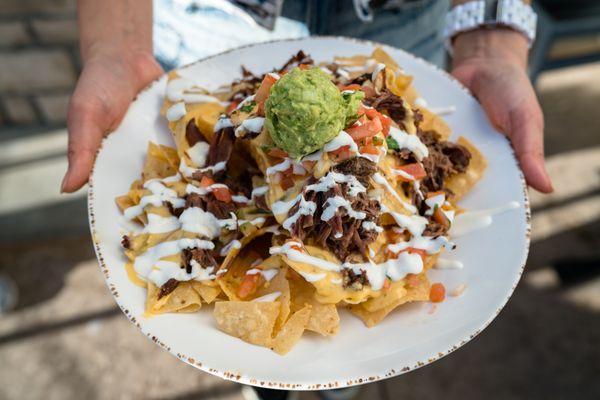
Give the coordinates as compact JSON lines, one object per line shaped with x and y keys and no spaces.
{"x":407,"y":339}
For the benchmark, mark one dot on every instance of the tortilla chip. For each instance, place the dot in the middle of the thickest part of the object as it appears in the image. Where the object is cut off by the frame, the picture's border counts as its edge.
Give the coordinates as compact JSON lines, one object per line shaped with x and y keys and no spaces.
{"x":461,"y":184}
{"x":238,"y":261}
{"x":280,"y":284}
{"x":324,"y":318}
{"x":418,"y":293}
{"x":250,"y":321}
{"x":433,"y":122}
{"x":390,"y":296}
{"x":291,"y":332}
{"x":161,"y":162}
{"x":207,"y":292}
{"x":183,"y":299}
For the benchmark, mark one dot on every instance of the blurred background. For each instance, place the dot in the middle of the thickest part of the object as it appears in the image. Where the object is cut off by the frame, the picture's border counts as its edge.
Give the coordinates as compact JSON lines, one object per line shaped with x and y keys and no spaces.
{"x":65,"y":338}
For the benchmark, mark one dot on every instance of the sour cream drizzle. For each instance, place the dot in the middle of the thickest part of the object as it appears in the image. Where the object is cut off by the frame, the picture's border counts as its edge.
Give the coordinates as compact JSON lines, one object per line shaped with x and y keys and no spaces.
{"x":395,"y":269}
{"x":198,"y":153}
{"x":159,"y":194}
{"x":474,"y":220}
{"x":268,"y":297}
{"x":443,"y":263}
{"x":176,"y":111}
{"x":409,"y":142}
{"x":144,"y":262}
{"x":380,"y":179}
{"x":222,"y":123}
{"x":253,"y":125}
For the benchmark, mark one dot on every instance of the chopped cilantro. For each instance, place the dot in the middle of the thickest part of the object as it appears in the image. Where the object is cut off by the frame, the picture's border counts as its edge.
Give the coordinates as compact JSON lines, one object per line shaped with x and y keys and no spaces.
{"x":391,"y":143}
{"x":248,"y":107}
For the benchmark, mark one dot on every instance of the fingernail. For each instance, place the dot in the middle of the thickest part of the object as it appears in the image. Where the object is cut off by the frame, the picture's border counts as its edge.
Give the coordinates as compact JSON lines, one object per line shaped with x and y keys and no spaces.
{"x":64,"y":182}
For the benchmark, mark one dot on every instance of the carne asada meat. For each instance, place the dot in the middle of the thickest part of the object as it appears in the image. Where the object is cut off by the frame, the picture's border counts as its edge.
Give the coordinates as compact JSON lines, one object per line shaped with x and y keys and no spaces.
{"x":342,"y":234}
{"x":203,"y":257}
{"x":390,"y":103}
{"x":193,"y":134}
{"x":445,"y":158}
{"x":360,"y":167}
{"x":167,"y":287}
{"x":208,"y":202}
{"x":299,"y":58}
{"x":353,"y":280}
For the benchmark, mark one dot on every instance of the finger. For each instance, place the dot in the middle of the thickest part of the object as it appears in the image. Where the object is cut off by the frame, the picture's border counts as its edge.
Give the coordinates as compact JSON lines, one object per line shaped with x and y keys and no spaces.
{"x":85,"y":135}
{"x":526,"y":133}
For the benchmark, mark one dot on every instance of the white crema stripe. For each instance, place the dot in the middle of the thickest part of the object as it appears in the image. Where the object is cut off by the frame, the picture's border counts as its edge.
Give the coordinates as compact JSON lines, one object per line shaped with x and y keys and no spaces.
{"x":409,"y":142}
{"x":395,"y":269}
{"x":176,"y":111}
{"x":144,"y":262}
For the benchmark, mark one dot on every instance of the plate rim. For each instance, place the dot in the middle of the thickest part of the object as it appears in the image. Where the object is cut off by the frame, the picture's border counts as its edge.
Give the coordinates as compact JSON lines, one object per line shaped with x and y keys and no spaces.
{"x":289,"y":385}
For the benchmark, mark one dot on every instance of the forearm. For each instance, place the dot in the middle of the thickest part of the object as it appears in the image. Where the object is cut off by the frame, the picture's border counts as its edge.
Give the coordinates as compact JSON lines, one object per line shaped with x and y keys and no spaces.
{"x":114,"y":25}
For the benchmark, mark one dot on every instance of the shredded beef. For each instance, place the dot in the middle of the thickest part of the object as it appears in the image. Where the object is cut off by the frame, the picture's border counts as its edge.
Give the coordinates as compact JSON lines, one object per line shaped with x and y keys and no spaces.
{"x":342,"y":234}
{"x":168,"y":287}
{"x":445,"y":158}
{"x":299,"y":58}
{"x":192,"y":133}
{"x":126,"y":242}
{"x":209,"y":203}
{"x":203,"y":257}
{"x":359,"y":167}
{"x":391,"y":104}
{"x":261,"y":202}
{"x":435,"y":229}
{"x":353,"y":280}
{"x":174,"y":211}
{"x":221,"y":146}
{"x":359,"y":80}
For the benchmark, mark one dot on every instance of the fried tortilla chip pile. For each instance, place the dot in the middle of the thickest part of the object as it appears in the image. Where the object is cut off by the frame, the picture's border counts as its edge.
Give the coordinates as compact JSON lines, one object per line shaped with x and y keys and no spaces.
{"x":276,"y":242}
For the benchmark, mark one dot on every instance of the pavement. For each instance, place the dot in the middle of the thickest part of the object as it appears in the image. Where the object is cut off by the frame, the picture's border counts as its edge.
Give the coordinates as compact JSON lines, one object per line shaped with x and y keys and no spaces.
{"x":67,"y":339}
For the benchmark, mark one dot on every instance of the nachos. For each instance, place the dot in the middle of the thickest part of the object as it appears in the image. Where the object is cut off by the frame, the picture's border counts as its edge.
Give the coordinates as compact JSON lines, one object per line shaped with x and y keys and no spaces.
{"x":293,"y":193}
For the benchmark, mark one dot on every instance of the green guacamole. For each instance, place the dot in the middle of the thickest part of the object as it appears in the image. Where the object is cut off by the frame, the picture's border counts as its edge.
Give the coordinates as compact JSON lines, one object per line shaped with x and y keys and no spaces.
{"x":305,"y":110}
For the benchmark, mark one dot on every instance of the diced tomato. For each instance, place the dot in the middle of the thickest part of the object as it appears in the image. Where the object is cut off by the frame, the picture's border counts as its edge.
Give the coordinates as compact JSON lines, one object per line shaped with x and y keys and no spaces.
{"x":413,"y":280}
{"x":369,"y":149}
{"x":232,"y":106}
{"x":206,"y":181}
{"x":386,"y":284}
{"x":222,"y":194}
{"x":354,"y":86}
{"x":277,"y":152}
{"x":343,"y":153}
{"x":264,"y":90}
{"x":437,"y":293}
{"x":249,"y":285}
{"x":367,"y":129}
{"x":386,"y":123}
{"x":415,"y":170}
{"x":441,"y":218}
{"x":371,"y":113}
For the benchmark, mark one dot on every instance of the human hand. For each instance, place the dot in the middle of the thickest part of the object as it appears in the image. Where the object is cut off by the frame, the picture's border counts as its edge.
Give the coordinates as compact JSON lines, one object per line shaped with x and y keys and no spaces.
{"x":492,"y":64}
{"x":110,"y":80}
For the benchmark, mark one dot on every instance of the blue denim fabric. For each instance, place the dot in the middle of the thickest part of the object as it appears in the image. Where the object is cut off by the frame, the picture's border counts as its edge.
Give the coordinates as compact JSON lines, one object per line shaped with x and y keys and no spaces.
{"x":185,"y":30}
{"x":416,"y":26}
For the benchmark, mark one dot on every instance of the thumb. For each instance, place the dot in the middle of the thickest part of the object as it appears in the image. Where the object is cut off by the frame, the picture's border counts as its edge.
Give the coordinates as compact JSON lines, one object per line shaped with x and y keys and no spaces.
{"x":527,"y":136}
{"x":85,"y":136}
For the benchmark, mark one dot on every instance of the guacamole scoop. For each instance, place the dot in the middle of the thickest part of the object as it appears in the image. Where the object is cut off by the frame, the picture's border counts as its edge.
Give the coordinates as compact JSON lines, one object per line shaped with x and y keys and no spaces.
{"x":305,"y":110}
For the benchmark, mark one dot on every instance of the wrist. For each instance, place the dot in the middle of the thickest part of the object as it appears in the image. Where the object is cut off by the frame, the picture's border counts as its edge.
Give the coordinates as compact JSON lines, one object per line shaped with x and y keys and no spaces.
{"x":485,"y":44}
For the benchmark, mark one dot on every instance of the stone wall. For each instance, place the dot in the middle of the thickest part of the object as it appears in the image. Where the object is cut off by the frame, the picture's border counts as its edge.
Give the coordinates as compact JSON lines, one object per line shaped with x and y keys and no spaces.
{"x":39,"y":62}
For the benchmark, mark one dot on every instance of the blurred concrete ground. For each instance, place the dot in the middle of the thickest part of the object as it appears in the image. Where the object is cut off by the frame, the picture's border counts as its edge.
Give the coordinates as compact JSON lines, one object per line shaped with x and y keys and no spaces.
{"x":67,"y":339}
